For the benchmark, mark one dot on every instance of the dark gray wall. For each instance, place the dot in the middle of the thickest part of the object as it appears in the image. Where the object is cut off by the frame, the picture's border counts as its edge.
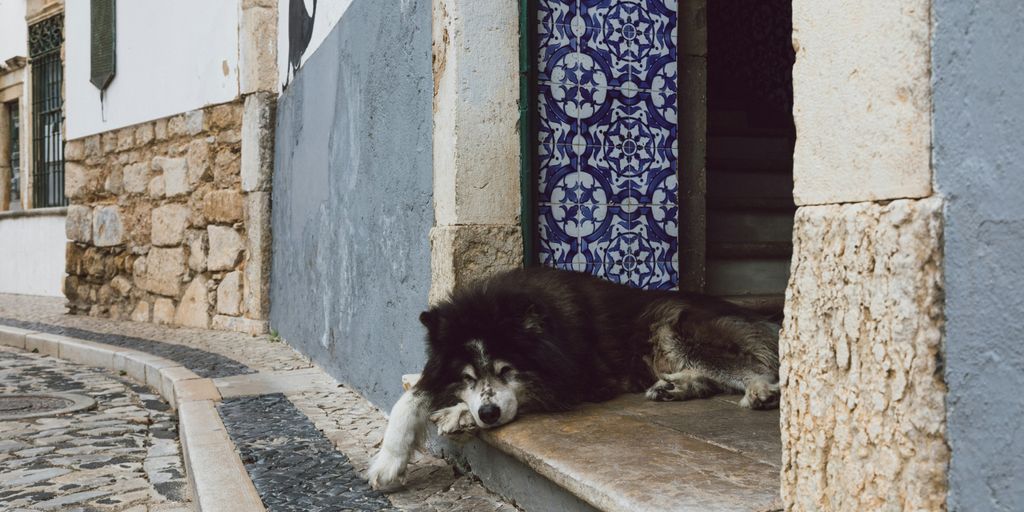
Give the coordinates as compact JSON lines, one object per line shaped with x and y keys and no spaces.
{"x":978,"y":71}
{"x":352,"y":198}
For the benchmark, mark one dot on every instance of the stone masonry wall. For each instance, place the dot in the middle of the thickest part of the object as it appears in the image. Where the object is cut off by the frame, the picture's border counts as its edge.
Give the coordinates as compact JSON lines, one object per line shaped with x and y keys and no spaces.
{"x":862,"y":407}
{"x":164,"y":227}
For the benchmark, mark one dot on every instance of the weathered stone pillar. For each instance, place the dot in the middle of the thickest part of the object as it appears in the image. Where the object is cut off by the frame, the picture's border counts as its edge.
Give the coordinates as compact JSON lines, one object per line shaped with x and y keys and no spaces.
{"x":863,"y":413}
{"x":257,"y":43}
{"x":476,"y":142}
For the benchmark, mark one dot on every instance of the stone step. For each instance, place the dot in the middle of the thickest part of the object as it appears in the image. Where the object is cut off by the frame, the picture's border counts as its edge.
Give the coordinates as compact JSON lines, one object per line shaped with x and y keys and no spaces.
{"x":631,"y":454}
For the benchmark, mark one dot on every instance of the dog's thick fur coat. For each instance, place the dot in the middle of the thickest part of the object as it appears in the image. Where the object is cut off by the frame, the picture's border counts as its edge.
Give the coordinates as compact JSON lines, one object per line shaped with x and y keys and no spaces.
{"x":544,"y":340}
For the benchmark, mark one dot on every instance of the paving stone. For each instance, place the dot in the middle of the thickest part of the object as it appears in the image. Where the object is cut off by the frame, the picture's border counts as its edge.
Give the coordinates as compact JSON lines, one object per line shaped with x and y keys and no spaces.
{"x":94,"y":459}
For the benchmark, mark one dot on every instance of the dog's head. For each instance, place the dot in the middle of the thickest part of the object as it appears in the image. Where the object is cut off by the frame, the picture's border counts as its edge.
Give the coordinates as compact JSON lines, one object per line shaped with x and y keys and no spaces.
{"x":492,"y":351}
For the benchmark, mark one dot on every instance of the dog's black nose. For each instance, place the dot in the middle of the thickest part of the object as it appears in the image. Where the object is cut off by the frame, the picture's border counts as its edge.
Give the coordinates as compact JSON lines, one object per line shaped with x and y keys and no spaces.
{"x":489,"y":413}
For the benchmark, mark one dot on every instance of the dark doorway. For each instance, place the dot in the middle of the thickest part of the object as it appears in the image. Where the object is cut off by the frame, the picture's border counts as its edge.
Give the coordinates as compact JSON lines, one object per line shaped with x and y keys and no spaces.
{"x":750,"y":150}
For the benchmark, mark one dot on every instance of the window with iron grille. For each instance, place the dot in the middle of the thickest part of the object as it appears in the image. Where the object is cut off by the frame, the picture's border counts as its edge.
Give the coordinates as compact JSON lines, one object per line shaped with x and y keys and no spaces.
{"x":13,"y":116}
{"x":45,"y":39}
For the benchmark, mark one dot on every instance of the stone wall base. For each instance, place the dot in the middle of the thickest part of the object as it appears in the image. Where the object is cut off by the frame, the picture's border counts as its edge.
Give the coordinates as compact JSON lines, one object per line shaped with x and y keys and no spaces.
{"x":863,"y":413}
{"x":460,"y":254}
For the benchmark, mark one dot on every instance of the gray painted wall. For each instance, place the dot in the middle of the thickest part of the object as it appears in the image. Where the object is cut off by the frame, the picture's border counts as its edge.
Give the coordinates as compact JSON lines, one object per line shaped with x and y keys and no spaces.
{"x":978,"y":156}
{"x":352,"y":198}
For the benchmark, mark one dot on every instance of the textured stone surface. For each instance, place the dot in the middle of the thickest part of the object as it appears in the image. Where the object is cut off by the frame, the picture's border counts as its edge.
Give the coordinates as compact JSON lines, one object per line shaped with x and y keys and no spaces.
{"x":223,"y":206}
{"x":193,"y":310}
{"x":229,"y":294}
{"x":258,"y":142}
{"x":163,"y":311}
{"x":175,"y":175}
{"x":863,"y":414}
{"x":169,"y":223}
{"x":257,"y":255}
{"x":136,"y":177}
{"x":79,"y":223}
{"x":225,"y":247}
{"x":460,"y":254}
{"x":257,"y":49}
{"x":168,"y":180}
{"x":863,"y":110}
{"x":121,"y":455}
{"x":107,"y":228}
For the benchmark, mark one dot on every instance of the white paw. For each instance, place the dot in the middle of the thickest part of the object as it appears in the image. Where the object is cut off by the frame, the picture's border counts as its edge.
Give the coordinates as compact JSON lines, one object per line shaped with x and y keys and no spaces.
{"x":454,"y":419}
{"x":761,"y":395}
{"x":387,"y":469}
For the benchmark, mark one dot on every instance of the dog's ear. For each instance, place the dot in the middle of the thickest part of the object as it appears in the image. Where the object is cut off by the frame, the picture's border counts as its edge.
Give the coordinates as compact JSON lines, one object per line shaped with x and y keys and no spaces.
{"x":429,"y":318}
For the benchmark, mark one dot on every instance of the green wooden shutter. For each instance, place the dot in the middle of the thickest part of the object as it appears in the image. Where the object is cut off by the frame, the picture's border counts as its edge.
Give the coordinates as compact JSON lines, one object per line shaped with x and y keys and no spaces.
{"x":102,"y":54}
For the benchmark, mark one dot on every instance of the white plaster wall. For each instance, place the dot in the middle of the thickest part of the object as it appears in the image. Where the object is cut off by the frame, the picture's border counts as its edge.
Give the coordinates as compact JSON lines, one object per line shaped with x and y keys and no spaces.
{"x":13,"y":30}
{"x":172,"y":57}
{"x":32,"y":255}
{"x":328,"y":12}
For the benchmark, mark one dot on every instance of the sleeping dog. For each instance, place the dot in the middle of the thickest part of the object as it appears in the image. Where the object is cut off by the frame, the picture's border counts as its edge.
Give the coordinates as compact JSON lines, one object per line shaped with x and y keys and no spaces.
{"x":540,"y":339}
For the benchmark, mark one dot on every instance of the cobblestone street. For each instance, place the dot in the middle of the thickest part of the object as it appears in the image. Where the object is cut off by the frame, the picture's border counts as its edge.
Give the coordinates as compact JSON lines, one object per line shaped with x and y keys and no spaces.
{"x":122,"y":455}
{"x":305,"y":440}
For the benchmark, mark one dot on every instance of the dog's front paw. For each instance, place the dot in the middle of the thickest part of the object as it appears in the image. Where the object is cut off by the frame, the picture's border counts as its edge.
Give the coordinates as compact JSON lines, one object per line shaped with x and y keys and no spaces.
{"x":387,"y":469}
{"x":761,"y":395}
{"x":453,"y":420}
{"x":661,"y":391}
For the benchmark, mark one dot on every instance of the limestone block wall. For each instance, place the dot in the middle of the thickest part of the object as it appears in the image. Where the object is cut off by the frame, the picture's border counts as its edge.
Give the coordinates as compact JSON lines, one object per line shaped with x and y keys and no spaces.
{"x":161,"y":226}
{"x":863,"y":412}
{"x":863,"y":424}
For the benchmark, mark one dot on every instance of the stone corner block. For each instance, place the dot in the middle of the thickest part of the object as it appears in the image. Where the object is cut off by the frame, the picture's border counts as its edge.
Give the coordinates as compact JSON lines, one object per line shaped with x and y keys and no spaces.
{"x":226,"y":246}
{"x":862,"y":111}
{"x":78,"y":224}
{"x":861,"y":376}
{"x":460,"y":254}
{"x":257,"y":159}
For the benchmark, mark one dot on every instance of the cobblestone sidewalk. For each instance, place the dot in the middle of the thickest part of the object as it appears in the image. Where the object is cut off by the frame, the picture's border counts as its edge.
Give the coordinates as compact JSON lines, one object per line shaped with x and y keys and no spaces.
{"x":122,"y":455}
{"x":305,"y":449}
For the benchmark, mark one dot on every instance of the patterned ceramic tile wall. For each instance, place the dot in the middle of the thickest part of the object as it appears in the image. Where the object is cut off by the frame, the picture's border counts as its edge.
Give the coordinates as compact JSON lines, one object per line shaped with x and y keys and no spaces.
{"x":607,"y":195}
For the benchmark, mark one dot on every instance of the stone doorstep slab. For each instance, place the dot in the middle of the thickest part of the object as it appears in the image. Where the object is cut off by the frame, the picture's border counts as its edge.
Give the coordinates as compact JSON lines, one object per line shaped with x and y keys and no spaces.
{"x":633,"y":455}
{"x":218,"y":479}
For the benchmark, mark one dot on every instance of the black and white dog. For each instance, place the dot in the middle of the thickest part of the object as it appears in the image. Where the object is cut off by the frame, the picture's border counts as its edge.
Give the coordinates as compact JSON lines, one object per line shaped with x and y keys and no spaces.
{"x":539,"y":339}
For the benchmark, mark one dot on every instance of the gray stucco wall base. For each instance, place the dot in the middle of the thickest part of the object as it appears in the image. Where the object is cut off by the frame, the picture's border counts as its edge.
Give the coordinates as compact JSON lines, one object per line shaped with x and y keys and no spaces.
{"x":979,"y":169}
{"x":352,"y":199}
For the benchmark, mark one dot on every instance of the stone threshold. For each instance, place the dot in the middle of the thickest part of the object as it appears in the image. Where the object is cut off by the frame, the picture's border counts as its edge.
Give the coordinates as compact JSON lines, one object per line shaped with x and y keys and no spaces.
{"x":630,"y":454}
{"x":216,"y":475}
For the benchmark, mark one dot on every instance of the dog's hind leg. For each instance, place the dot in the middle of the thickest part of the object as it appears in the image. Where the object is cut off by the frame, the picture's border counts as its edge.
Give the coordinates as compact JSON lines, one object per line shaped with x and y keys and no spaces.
{"x":684,"y":385}
{"x":760,"y":393}
{"x":404,"y":433}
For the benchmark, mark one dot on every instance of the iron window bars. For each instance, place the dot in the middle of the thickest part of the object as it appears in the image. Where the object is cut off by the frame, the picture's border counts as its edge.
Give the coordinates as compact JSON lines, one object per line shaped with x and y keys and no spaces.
{"x":44,"y":41}
{"x":13,"y":116}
